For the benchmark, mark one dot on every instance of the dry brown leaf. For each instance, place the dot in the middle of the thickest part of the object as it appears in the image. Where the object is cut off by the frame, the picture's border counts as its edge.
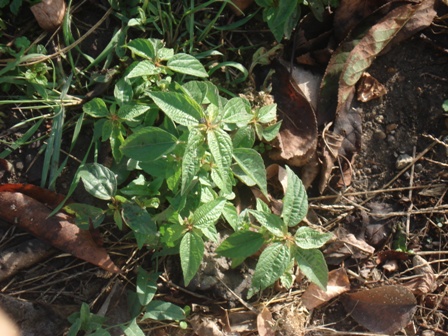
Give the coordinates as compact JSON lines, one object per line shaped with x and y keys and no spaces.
{"x":265,"y":323}
{"x":297,"y":139}
{"x":205,"y":326}
{"x":244,"y":321}
{"x":338,"y":283}
{"x":49,"y":13}
{"x":369,"y":88}
{"x":424,"y":284}
{"x":384,"y":309}
{"x":58,"y":230}
{"x":310,"y":171}
{"x":331,"y":143}
{"x":346,"y":245}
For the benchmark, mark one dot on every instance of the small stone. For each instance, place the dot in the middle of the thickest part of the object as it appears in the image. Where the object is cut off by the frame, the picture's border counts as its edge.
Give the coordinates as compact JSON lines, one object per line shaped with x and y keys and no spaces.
{"x":391,"y":139}
{"x":391,"y":127}
{"x":379,"y":135}
{"x":402,"y":161}
{"x":19,"y":165}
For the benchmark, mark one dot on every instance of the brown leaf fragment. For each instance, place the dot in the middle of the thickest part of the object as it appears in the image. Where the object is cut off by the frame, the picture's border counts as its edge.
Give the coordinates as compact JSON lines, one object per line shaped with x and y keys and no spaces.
{"x":45,"y":196}
{"x":205,"y":326}
{"x":338,"y":283}
{"x":386,"y":309}
{"x":265,"y":323}
{"x":297,"y":139}
{"x":242,"y":321}
{"x":22,"y":256}
{"x":426,"y":282}
{"x":369,"y":88}
{"x":331,"y":143}
{"x":422,"y":18}
{"x":346,"y":245}
{"x":49,"y":13}
{"x":310,"y":171}
{"x":58,"y":230}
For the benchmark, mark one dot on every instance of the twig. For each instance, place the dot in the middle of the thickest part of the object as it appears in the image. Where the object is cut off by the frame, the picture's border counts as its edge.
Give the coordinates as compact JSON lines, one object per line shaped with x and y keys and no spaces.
{"x":411,"y":205}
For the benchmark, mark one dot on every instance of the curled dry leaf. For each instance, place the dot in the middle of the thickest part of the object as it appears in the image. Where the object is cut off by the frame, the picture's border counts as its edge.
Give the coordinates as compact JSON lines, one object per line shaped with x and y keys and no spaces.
{"x":424,"y":284}
{"x":49,"y":13}
{"x":331,"y":143}
{"x":45,"y":196}
{"x":346,"y":245}
{"x":386,"y":309}
{"x":369,"y":88}
{"x":58,"y":230}
{"x":338,"y":283}
{"x":297,"y":139}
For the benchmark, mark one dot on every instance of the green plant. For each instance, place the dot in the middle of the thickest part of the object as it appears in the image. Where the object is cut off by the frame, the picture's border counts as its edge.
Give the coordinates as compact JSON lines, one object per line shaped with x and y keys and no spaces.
{"x":189,"y":147}
{"x":282,"y":16}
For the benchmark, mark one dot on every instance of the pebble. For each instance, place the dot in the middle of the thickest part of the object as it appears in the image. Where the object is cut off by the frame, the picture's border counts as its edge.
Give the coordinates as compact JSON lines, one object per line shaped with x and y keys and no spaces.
{"x":391,"y":139}
{"x":402,"y":161}
{"x":19,"y":165}
{"x":379,"y":135}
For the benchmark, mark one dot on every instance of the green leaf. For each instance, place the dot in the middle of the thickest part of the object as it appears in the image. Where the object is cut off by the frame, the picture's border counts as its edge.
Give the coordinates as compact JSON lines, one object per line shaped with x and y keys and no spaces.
{"x":96,"y":108}
{"x":250,"y":168}
{"x":269,"y":133}
{"x":267,"y":114}
{"x":132,"y":329}
{"x":220,"y":145}
{"x":186,"y":64}
{"x":307,"y":238}
{"x":312,"y":264}
{"x":129,"y":112}
{"x":271,"y":222}
{"x":160,"y":310}
{"x":236,"y":111}
{"x":295,"y":201}
{"x":123,"y":92}
{"x":179,"y":107}
{"x":197,"y":90}
{"x":208,"y":214}
{"x":85,"y":215}
{"x":99,"y":181}
{"x":143,"y":48}
{"x":191,"y":251}
{"x":148,"y":144}
{"x":146,"y":286}
{"x":244,"y":137}
{"x":273,"y":262}
{"x":241,"y":244}
{"x":445,"y":105}
{"x":138,"y":219}
{"x":143,"y":68}
{"x":191,"y":159}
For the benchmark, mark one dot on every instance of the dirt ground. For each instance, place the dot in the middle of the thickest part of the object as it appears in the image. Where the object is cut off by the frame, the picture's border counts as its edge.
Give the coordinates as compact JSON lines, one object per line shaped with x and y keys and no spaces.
{"x":406,"y":126}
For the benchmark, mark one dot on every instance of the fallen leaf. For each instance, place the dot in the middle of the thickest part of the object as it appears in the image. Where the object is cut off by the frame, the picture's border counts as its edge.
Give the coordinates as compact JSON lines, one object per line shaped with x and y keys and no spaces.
{"x":369,"y":88}
{"x":242,"y":321}
{"x":265,"y":323}
{"x":424,"y":284}
{"x":386,"y":309}
{"x":45,"y":196}
{"x":338,"y":283}
{"x":331,"y":143}
{"x":310,"y":171}
{"x":297,"y":139}
{"x":49,"y":13}
{"x":346,"y":245}
{"x":58,"y":230}
{"x":205,"y":326}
